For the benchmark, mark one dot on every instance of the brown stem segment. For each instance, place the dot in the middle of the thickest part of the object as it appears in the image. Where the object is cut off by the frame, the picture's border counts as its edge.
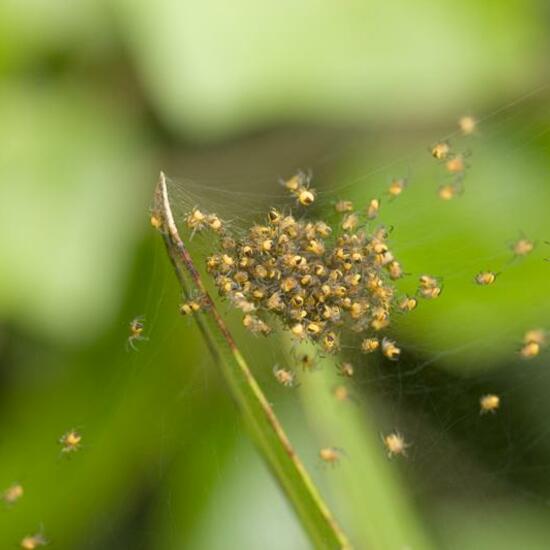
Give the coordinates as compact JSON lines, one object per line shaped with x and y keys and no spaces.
{"x":272,"y":439}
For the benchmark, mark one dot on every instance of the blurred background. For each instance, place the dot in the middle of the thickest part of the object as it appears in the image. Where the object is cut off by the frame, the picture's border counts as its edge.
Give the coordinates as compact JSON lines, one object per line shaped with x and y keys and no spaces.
{"x":226,"y":98}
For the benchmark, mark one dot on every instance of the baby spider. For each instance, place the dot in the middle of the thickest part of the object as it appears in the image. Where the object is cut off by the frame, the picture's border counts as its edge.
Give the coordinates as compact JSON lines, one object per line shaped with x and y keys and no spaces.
{"x":343,"y":206}
{"x":156,"y":220}
{"x":522,"y":247}
{"x":331,"y":455}
{"x":316,"y":247}
{"x":349,"y":223}
{"x":455,"y":164}
{"x":305,"y":196}
{"x":368,"y":345}
{"x":199,"y":303}
{"x":397,"y":186}
{"x":345,"y":369}
{"x":70,"y":442}
{"x":190,"y":307}
{"x":429,"y":287}
{"x":256,"y":325}
{"x":239,"y":301}
{"x":395,"y":270}
{"x":13,"y":493}
{"x":530,"y":350}
{"x":341,"y":393}
{"x":430,"y":293}
{"x":214,"y":223}
{"x":390,"y":350}
{"x":285,"y":377}
{"x":373,"y":208}
{"x":298,"y":331}
{"x":298,"y":185}
{"x":196,"y":220}
{"x":31,"y":542}
{"x":407,"y":303}
{"x":533,"y":341}
{"x":467,"y":125}
{"x":448,"y":191}
{"x":329,"y":341}
{"x":136,"y":332}
{"x":427,"y":281}
{"x":395,"y":444}
{"x":441,"y":150}
{"x":537,"y":335}
{"x":485,"y":278}
{"x":300,"y":179}
{"x":489,"y":403}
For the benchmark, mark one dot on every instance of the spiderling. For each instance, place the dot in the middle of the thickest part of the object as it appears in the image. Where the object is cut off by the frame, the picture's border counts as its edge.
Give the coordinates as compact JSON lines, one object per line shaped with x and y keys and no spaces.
{"x":522,"y":247}
{"x":70,"y":441}
{"x":395,"y":444}
{"x":489,"y":403}
{"x":30,"y":542}
{"x":346,"y":369}
{"x":13,"y":493}
{"x":341,"y":393}
{"x":485,"y":278}
{"x":467,"y":125}
{"x":285,"y":377}
{"x":534,"y":341}
{"x":331,"y":455}
{"x":136,"y":332}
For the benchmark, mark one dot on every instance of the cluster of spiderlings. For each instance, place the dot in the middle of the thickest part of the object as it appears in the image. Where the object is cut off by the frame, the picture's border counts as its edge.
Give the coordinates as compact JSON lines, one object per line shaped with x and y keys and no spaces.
{"x":314,"y":278}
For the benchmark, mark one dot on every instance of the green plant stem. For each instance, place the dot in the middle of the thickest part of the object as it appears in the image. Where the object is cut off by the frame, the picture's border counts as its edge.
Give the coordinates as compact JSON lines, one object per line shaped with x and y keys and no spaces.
{"x":258,"y":413}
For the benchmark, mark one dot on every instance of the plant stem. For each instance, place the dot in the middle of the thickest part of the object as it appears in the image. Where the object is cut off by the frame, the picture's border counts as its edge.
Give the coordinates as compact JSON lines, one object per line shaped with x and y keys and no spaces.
{"x":258,"y":413}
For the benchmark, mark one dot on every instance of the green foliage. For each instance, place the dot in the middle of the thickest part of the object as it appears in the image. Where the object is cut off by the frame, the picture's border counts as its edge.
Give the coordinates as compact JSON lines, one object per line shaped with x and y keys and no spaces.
{"x":96,"y":97}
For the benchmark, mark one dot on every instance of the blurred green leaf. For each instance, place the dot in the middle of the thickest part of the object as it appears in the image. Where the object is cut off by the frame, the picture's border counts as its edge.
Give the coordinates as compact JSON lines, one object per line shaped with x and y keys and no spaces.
{"x":219,"y":68}
{"x":72,"y":198}
{"x":34,"y":31}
